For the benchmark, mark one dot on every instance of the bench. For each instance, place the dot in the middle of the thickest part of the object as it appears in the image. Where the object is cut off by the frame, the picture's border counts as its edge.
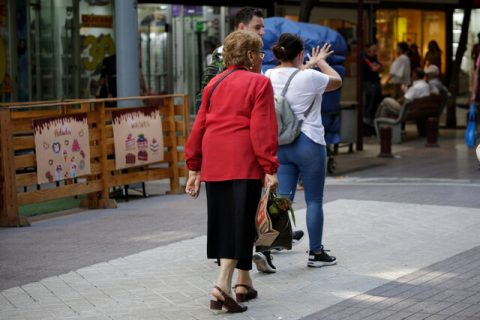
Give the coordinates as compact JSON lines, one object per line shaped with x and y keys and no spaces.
{"x":418,"y":110}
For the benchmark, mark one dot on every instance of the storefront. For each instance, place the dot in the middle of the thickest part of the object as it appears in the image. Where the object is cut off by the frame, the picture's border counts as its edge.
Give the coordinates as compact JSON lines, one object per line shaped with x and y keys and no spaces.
{"x":53,"y":49}
{"x":176,"y":44}
{"x":468,"y":63}
{"x":413,"y":26}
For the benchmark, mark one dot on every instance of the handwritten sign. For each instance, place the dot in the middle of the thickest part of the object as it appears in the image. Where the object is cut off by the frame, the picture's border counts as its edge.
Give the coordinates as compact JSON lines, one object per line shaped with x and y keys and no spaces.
{"x":138,"y":137}
{"x":62,"y":147}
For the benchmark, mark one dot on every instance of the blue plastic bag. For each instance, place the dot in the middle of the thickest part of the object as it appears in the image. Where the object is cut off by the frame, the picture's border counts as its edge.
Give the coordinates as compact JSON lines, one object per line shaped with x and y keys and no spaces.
{"x":471,"y":132}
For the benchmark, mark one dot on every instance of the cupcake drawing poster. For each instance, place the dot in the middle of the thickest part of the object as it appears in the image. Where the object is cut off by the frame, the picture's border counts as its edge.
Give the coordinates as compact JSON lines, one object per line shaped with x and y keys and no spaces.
{"x":138,"y":137}
{"x":62,"y":147}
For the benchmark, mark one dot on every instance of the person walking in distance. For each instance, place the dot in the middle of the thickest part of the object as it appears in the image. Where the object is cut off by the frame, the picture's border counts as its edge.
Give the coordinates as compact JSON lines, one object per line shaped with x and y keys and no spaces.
{"x":400,"y":71}
{"x":307,"y":154}
{"x":233,"y":148}
{"x":372,"y":88}
{"x":433,"y":55}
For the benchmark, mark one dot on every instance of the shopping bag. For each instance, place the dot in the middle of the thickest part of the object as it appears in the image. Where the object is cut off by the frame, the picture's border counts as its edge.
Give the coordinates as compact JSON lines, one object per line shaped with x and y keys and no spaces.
{"x":263,"y":222}
{"x":281,"y":224}
{"x":276,"y":216}
{"x":471,"y":132}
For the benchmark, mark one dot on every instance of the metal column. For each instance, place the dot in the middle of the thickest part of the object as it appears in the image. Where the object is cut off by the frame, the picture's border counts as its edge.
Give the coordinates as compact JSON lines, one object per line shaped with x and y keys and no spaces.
{"x":126,"y":35}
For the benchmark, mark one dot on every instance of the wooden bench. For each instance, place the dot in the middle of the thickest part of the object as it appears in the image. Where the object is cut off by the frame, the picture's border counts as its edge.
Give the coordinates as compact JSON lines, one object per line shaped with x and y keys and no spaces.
{"x":418,"y":110}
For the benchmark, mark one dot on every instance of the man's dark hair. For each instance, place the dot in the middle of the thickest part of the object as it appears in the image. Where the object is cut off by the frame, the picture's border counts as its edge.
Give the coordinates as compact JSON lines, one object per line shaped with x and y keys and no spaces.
{"x":419,"y":73}
{"x":246,"y":14}
{"x":403,"y":46}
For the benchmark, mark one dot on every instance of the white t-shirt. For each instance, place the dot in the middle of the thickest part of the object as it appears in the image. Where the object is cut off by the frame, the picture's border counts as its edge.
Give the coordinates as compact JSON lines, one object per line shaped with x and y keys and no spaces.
{"x":400,"y":70}
{"x":419,"y":89}
{"x":305,"y":86}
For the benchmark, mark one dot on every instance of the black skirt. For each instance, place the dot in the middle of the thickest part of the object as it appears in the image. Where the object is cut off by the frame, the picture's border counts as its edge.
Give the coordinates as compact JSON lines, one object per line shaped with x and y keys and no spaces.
{"x":231,"y":231}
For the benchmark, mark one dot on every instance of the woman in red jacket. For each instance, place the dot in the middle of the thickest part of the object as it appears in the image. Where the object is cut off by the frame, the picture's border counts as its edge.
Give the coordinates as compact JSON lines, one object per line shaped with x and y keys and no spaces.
{"x":232,"y":148}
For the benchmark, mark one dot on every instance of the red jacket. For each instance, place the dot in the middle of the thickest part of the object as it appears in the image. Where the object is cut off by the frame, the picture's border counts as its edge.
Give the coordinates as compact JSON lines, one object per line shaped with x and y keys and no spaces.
{"x":237,"y":137}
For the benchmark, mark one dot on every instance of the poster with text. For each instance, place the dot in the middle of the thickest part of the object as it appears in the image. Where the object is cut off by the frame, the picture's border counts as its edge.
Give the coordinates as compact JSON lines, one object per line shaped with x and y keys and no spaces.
{"x":138,"y":137}
{"x":62,"y":147}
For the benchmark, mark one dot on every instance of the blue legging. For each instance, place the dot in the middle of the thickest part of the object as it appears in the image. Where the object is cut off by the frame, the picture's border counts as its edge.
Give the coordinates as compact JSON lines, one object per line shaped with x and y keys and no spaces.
{"x":308,"y":159}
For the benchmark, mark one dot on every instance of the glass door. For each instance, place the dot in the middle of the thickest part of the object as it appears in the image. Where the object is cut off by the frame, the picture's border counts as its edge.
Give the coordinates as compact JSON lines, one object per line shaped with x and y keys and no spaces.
{"x":154,"y":21}
{"x":176,"y":42}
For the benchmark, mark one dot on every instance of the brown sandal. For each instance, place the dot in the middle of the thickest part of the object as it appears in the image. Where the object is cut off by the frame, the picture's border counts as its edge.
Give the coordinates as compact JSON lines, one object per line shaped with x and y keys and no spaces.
{"x":242,"y":297}
{"x":229,"y":303}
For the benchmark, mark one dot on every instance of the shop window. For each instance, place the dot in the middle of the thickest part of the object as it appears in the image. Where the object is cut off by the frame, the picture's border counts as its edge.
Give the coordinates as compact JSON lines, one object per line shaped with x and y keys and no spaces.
{"x":412,"y":26}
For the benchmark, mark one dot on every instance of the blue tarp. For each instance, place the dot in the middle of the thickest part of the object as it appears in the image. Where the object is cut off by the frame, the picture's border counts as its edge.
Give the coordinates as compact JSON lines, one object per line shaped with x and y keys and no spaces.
{"x":312,"y":35}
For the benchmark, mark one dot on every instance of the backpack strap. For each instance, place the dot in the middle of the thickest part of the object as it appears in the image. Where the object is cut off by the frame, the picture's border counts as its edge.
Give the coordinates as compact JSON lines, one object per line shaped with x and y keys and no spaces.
{"x":307,"y":112}
{"x":216,"y":84}
{"x":284,"y":91}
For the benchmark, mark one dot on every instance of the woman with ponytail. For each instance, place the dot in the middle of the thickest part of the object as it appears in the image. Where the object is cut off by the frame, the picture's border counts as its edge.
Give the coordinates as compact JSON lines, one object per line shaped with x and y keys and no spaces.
{"x":306,"y":155}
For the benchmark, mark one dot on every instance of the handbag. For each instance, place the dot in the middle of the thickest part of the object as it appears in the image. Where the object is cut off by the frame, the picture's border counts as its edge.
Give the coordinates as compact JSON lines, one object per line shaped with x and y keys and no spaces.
{"x":471,"y":132}
{"x":276,"y":218}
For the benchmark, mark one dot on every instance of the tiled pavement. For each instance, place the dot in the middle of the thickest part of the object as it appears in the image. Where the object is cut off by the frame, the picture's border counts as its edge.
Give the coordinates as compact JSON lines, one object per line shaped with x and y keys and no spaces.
{"x":391,"y":266}
{"x":449,"y":289}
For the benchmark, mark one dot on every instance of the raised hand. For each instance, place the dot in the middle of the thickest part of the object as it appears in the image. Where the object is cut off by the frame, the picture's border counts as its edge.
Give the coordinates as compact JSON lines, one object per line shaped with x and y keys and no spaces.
{"x":319,"y":54}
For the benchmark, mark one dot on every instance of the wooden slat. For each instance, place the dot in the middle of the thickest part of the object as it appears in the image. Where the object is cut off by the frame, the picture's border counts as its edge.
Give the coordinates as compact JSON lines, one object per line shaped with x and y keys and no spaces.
{"x":140,"y":176}
{"x":35,"y":114}
{"x":181,"y":140}
{"x":183,"y":172}
{"x":94,"y":134}
{"x":26,"y":179}
{"x":179,"y":110}
{"x":92,"y":117}
{"x":95,"y":151}
{"x":110,"y":165}
{"x":95,"y":168}
{"x":60,"y":192}
{"x":23,"y":142}
{"x":9,"y":205}
{"x":22,"y":125}
{"x":24,"y":161}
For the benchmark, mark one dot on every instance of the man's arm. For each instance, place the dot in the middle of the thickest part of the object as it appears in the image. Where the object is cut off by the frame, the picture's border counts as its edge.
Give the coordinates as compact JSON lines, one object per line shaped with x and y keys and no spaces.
{"x":214,"y":68}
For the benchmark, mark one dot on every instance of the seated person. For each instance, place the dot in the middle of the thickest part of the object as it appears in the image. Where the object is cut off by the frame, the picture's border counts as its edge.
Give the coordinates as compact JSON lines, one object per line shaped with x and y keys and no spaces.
{"x":432,"y":73}
{"x":390,"y":108}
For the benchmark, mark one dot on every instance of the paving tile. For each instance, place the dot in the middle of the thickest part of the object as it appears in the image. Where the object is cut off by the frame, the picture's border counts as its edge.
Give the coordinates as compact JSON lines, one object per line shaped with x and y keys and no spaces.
{"x":470,"y":311}
{"x":454,"y":309}
{"x":431,"y":307}
{"x":437,"y":317}
{"x":160,"y":284}
{"x":418,"y":316}
{"x":399,"y":315}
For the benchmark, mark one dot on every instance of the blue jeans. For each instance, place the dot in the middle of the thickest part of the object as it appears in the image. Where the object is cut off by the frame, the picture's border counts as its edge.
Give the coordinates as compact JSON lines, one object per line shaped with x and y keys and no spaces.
{"x":307,"y":159}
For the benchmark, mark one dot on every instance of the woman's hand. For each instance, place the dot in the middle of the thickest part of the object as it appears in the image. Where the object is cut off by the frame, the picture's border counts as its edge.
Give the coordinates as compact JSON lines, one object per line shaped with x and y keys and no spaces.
{"x":193,"y":184}
{"x":319,"y":54}
{"x":271,"y":180}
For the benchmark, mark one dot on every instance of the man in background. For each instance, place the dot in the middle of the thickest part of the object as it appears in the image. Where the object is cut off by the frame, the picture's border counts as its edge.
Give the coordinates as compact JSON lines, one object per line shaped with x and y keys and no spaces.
{"x":247,"y":18}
